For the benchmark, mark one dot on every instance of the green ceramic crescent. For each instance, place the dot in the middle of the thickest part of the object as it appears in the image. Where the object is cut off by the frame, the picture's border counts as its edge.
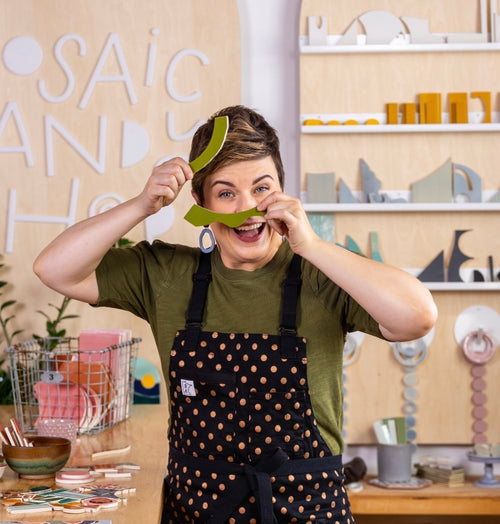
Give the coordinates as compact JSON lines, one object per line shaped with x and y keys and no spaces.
{"x":221,"y":125}
{"x":199,"y":216}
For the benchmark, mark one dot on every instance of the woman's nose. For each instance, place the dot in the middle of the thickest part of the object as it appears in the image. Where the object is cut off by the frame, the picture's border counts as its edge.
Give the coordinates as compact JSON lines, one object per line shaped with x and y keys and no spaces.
{"x":245,"y":202}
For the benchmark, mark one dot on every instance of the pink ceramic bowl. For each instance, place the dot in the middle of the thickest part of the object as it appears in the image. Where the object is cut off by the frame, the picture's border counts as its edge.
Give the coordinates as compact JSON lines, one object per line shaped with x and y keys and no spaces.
{"x":47,"y":456}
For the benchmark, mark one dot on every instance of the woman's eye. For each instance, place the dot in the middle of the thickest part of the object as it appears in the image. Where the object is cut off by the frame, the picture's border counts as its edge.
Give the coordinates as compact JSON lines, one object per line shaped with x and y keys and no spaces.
{"x":260,"y":189}
{"x":225,"y":194}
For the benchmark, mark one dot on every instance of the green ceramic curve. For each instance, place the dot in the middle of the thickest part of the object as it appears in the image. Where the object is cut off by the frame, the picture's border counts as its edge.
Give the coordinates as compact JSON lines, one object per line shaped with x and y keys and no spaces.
{"x":200,"y":216}
{"x":221,"y":125}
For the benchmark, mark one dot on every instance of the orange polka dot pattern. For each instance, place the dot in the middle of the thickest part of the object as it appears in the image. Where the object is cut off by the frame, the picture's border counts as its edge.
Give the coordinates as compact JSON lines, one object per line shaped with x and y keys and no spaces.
{"x":302,"y":499}
{"x":235,"y":399}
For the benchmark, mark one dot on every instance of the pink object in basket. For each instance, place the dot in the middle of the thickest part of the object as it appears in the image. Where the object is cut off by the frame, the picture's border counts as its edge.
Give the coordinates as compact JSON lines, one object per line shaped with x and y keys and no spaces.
{"x":99,"y":345}
{"x":92,"y":341}
{"x":58,"y":427}
{"x":70,"y":402}
{"x":63,"y":401}
{"x":95,"y":377}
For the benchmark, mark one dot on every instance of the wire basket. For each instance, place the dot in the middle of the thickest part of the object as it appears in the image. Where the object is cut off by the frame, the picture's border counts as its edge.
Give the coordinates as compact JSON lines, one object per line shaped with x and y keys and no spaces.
{"x":53,"y":379}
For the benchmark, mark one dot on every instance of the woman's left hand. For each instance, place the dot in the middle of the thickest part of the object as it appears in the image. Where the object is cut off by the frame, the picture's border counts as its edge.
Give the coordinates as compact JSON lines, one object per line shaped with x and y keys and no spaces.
{"x":286,"y":215}
{"x":400,"y":303}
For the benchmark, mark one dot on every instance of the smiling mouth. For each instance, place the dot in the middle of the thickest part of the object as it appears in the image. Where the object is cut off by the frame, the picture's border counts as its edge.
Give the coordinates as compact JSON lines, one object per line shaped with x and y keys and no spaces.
{"x":249,"y":231}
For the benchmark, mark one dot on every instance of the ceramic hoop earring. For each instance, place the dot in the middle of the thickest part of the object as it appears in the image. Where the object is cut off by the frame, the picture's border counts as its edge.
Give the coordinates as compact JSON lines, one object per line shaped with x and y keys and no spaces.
{"x":207,"y":231}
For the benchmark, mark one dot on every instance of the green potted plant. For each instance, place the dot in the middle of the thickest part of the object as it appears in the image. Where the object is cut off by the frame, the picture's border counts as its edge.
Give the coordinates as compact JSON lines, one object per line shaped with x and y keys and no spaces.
{"x":7,"y":336}
{"x":52,"y":325}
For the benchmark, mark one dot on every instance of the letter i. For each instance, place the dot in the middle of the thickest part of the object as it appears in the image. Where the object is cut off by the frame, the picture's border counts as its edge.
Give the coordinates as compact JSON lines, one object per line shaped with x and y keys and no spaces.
{"x":151,"y":59}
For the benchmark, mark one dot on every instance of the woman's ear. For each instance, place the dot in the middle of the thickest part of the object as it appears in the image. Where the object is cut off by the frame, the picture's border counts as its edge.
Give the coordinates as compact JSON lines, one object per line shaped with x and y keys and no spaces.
{"x":196,"y":198}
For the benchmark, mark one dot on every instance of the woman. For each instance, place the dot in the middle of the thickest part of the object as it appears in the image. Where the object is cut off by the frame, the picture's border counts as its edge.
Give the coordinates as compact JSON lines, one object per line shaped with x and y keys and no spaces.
{"x":251,"y":345}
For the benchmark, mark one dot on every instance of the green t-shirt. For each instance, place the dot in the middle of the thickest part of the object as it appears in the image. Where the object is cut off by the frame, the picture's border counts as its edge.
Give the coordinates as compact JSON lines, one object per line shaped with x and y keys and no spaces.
{"x":154,"y":281}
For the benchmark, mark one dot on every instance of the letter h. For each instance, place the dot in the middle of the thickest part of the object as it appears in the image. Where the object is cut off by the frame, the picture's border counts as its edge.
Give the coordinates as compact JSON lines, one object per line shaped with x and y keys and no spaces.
{"x":12,"y":217}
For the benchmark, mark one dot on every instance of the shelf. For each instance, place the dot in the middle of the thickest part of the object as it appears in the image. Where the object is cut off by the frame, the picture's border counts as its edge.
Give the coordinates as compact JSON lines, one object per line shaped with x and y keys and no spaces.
{"x":475,"y":124}
{"x":403,"y":46}
{"x":398,"y":48}
{"x":401,"y":208}
{"x":400,"y":128}
{"x":462,"y":286}
{"x":468,"y":285}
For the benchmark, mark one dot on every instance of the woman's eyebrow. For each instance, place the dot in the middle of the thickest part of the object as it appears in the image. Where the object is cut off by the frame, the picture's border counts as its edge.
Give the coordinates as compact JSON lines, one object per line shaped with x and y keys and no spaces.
{"x":222,"y":182}
{"x":259,"y":179}
{"x":230,"y":184}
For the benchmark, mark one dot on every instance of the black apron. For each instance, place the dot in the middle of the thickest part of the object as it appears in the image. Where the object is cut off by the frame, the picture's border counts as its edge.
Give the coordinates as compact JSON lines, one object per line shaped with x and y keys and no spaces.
{"x":244,"y":446}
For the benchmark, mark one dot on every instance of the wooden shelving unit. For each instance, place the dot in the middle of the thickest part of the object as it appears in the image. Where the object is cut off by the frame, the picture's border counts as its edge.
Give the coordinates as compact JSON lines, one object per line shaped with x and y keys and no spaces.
{"x":355,"y":82}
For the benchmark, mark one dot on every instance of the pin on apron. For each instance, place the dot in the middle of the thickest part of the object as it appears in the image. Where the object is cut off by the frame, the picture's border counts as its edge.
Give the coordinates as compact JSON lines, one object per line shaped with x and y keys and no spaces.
{"x":244,"y":446}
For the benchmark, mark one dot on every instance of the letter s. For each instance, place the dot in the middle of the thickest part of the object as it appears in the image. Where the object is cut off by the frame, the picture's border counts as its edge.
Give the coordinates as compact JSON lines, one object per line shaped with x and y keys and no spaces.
{"x":82,"y":51}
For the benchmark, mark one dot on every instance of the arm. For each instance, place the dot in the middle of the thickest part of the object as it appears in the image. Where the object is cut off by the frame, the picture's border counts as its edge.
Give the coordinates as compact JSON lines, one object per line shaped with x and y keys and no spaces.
{"x":68,"y":263}
{"x":399,"y":302}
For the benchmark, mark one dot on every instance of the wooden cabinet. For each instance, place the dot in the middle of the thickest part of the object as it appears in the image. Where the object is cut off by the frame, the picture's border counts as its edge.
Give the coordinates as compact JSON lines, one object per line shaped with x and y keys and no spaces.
{"x":357,"y":84}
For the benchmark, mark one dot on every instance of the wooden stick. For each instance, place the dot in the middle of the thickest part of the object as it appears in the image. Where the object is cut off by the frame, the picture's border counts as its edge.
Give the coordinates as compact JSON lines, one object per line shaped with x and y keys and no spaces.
{"x":18,"y":431}
{"x":3,"y":436}
{"x":10,"y":437}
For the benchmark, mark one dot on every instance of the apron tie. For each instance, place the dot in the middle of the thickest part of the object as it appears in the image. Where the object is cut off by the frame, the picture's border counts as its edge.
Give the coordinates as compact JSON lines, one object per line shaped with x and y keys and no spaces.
{"x":260,"y":483}
{"x":256,"y":480}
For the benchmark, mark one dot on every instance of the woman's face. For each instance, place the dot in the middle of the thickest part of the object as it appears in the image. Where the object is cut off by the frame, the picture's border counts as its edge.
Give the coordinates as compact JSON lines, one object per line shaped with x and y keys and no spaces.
{"x":238,"y":187}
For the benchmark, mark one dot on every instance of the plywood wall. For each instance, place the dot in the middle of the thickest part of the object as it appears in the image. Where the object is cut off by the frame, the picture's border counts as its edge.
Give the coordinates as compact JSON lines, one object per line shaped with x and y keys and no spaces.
{"x":93,"y":95}
{"x":364,"y":83}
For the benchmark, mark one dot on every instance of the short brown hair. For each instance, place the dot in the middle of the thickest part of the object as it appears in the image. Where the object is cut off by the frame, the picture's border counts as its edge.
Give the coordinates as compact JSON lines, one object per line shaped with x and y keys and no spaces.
{"x":249,"y":137}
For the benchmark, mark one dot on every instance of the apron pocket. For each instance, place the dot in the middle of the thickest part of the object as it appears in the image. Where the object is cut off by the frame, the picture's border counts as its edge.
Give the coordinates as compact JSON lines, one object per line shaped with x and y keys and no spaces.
{"x":277,"y":419}
{"x":312,"y":497}
{"x":202,"y":420}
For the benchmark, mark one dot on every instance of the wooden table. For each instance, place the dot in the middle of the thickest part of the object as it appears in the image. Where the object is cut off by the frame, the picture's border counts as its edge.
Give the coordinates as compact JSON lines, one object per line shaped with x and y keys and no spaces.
{"x":146,"y":432}
{"x":437,"y":499}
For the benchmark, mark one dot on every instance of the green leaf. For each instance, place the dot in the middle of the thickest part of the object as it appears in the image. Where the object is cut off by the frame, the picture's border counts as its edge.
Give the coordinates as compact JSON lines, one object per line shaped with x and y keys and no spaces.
{"x":7,"y":304}
{"x":66,"y":317}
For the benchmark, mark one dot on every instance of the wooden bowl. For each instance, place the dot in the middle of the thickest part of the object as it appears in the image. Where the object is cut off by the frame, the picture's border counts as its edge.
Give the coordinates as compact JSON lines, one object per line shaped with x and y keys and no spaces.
{"x":47,"y":456}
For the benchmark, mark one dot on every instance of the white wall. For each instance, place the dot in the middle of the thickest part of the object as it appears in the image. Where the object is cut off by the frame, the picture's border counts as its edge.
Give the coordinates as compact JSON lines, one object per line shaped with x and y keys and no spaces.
{"x":270,"y":72}
{"x":270,"y":84}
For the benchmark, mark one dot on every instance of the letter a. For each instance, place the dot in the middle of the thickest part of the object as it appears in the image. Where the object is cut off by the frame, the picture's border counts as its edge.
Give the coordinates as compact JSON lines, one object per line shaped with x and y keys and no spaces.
{"x":112,"y":43}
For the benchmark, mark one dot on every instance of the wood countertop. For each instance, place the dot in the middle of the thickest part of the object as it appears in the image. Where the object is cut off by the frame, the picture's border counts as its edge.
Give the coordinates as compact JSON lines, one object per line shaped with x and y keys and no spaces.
{"x":146,"y":434}
{"x":436,"y":499}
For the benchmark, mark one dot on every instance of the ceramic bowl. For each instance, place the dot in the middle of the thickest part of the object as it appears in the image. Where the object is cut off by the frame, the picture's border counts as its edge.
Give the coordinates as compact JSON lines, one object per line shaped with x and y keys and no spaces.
{"x":47,"y":456}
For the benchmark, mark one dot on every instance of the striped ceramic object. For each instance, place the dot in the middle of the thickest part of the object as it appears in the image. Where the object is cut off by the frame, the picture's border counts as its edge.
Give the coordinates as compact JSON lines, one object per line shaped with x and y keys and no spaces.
{"x":47,"y":456}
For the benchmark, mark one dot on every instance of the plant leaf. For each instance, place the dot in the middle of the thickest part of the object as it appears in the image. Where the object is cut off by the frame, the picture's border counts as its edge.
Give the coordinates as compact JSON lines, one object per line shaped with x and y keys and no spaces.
{"x":68,"y":316}
{"x":7,"y":304}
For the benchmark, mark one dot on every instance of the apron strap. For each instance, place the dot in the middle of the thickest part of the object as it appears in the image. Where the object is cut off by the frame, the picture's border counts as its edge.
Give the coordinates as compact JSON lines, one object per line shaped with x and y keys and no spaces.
{"x":201,"y":281}
{"x":291,"y":293}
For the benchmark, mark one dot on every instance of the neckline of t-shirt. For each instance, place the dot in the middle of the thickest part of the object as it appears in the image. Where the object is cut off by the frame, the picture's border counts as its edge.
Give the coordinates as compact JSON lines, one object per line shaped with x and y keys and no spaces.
{"x":274,"y":266}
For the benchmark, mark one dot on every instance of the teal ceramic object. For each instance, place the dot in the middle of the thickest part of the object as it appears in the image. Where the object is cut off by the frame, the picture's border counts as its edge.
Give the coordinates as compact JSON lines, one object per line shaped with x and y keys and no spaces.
{"x":44,"y":459}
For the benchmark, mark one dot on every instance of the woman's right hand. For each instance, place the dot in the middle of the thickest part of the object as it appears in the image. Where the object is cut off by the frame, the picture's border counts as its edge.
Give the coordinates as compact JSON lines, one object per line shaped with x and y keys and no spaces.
{"x":164,"y":185}
{"x":68,"y":263}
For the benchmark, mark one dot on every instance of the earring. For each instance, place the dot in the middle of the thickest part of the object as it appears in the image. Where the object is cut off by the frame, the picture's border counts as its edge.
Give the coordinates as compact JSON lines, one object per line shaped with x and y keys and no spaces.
{"x":207,"y":231}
